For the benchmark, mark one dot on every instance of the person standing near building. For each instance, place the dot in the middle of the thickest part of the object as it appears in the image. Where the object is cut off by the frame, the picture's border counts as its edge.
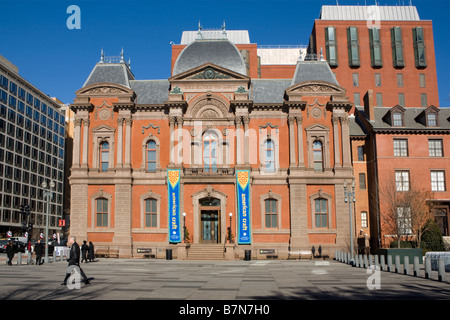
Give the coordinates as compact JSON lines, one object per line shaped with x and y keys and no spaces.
{"x":91,"y":255}
{"x":84,"y":250}
{"x":74,"y":260}
{"x":10,"y":252}
{"x":39,"y":250}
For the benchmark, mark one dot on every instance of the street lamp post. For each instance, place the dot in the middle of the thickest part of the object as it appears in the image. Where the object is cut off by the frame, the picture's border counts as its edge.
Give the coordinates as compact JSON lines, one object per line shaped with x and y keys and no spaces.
{"x":229,"y":235}
{"x":48,"y":196}
{"x":350,"y":198}
{"x":184,"y":227}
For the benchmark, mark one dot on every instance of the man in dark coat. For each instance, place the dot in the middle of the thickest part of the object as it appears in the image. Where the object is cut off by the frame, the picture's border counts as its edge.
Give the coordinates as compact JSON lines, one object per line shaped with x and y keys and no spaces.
{"x":10,"y":250}
{"x":74,"y":260}
{"x":84,"y":250}
{"x":91,"y":255}
{"x":39,"y":251}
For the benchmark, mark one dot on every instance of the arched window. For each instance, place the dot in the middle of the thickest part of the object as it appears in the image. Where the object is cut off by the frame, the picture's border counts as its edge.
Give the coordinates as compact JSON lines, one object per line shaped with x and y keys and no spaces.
{"x":210,"y":148}
{"x":318,"y":155}
{"x":151,"y":156}
{"x":271,"y":213}
{"x":151,"y":213}
{"x":104,"y":156}
{"x":101,"y":212}
{"x":321,"y":212}
{"x":269,"y":156}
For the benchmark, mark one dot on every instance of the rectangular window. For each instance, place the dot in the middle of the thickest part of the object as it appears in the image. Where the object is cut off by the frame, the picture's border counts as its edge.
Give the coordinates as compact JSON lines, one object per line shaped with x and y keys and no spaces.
{"x":400,"y":80}
{"x":271,"y":213}
{"x":435,"y":148}
{"x":331,"y":46}
{"x":419,"y":48}
{"x":353,"y":47}
{"x":375,"y":48}
{"x":362,"y":181}
{"x":438,"y":180}
{"x":402,"y":180}
{"x":356,"y":80}
{"x":423,"y":100}
{"x":364,"y":223}
{"x":151,"y":213}
{"x":102,"y":212}
{"x":401,"y":99}
{"x":379,"y":97}
{"x":400,"y":147}
{"x":360,"y":153}
{"x":397,"y":47}
{"x":422,"y":80}
{"x":377,"y":79}
{"x":397,"y":119}
{"x":321,"y":213}
{"x":356,"y":99}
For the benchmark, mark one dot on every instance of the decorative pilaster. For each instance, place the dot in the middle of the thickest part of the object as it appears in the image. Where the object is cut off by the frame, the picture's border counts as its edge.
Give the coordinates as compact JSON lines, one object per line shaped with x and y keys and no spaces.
{"x":128,"y":140}
{"x":246,"y":120}
{"x":76,"y":143}
{"x":301,"y":160}
{"x":238,"y":122}
{"x":345,"y":142}
{"x":179,"y":156}
{"x":120,"y":143}
{"x":84,"y":160}
{"x":172,"y":121}
{"x":291,"y":121}
{"x":337,"y":154}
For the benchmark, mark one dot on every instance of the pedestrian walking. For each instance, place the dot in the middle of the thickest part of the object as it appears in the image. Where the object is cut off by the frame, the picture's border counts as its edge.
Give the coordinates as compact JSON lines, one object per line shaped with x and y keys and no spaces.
{"x":39,"y":251}
{"x":91,"y":254}
{"x":74,"y":260}
{"x":84,"y":251}
{"x":10,"y":250}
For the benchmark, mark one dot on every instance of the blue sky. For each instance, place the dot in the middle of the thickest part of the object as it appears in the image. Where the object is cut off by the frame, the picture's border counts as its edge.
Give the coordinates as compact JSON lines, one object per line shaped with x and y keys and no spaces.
{"x":34,"y":35}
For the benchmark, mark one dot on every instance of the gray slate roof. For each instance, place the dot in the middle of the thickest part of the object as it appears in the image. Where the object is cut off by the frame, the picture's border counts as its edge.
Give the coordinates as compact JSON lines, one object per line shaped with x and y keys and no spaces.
{"x":150,"y":91}
{"x":269,"y":90}
{"x":411,"y":119}
{"x":219,"y":52}
{"x":313,"y":71}
{"x":110,"y":72}
{"x":355,"y":127}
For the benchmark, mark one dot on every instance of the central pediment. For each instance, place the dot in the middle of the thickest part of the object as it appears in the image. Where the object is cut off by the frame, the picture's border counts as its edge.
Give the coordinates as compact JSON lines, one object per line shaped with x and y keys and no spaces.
{"x":209,"y":72}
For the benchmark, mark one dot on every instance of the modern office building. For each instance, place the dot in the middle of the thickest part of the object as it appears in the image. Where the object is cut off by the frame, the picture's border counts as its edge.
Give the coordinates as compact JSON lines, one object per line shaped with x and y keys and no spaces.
{"x":32,"y":132}
{"x":262,"y":146}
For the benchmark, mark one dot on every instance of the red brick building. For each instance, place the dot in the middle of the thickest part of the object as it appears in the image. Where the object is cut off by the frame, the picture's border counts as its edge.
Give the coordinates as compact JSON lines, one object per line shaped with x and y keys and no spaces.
{"x":259,"y":143}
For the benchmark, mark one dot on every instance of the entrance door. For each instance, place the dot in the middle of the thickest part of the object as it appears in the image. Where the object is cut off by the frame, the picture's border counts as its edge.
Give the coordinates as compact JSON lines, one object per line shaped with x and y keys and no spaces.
{"x":210,"y":226}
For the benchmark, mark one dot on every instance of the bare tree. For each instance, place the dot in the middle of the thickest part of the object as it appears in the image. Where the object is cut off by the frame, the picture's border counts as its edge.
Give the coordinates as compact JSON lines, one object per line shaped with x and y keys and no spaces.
{"x":404,"y":208}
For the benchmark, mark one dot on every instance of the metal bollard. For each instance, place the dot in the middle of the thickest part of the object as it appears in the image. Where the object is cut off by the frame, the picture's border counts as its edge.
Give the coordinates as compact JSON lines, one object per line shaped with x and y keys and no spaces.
{"x":355,"y":264}
{"x":54,"y":256}
{"x":376,"y":261}
{"x":389,"y":262}
{"x":349,"y":259}
{"x":397,"y":264}
{"x":416,"y":266}
{"x":360,"y":261}
{"x":370,"y":260}
{"x":365,"y":261}
{"x":19,"y":258}
{"x":427,"y":268}
{"x":441,"y":269}
{"x":406,"y":265}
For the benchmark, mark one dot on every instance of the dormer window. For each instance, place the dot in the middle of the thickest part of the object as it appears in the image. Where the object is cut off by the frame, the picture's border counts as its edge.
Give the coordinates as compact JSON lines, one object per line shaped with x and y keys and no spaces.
{"x":397,"y":119}
{"x":431,"y":120}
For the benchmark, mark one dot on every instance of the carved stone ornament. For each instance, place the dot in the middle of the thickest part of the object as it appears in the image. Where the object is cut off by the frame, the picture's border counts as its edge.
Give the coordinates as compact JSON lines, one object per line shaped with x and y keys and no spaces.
{"x":316,"y":112}
{"x":209,"y":74}
{"x":316,"y":88}
{"x":104,"y":90}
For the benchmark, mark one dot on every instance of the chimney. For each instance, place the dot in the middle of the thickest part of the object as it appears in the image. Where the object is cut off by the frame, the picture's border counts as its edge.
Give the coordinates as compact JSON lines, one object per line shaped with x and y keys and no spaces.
{"x":369,"y":105}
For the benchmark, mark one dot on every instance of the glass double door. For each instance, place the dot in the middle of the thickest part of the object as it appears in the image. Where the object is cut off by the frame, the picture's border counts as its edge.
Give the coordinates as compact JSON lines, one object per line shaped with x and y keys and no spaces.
{"x":210,"y":226}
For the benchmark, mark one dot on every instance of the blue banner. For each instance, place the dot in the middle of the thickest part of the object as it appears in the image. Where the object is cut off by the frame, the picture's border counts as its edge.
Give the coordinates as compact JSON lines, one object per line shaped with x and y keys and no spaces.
{"x":243,"y":206}
{"x":173,"y":179}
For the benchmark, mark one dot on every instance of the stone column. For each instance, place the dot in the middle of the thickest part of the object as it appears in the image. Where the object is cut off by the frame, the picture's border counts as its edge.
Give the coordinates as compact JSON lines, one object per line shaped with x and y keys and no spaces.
{"x":76,"y":143}
{"x":337,"y":153}
{"x":122,"y":219}
{"x":238,"y":121}
{"x":84,"y":160}
{"x":246,"y":120}
{"x":301,"y":160}
{"x":128,"y":142}
{"x":291,"y":121}
{"x":345,"y":142}
{"x":171,"y":137}
{"x":120,"y":143}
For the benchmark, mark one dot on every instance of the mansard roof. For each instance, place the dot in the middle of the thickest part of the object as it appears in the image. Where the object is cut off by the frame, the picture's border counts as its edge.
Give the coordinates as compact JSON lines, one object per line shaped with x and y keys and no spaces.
{"x":220,"y":52}
{"x":313,"y":71}
{"x":117,"y":73}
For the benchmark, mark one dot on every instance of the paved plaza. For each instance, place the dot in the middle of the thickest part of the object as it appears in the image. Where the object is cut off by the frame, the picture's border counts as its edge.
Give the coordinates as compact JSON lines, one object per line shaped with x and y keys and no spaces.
{"x":123,"y":279}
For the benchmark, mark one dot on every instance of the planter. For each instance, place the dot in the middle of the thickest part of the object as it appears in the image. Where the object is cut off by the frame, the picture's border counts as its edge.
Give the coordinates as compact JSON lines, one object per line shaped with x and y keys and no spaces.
{"x":403,"y":252}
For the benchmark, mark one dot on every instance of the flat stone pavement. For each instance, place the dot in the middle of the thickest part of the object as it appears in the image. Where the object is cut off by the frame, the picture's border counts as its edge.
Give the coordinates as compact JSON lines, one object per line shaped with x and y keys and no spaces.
{"x":123,"y":279}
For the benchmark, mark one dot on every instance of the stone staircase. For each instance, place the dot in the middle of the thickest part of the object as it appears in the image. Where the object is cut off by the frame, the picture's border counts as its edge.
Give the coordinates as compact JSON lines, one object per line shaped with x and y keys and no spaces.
{"x":206,"y":252}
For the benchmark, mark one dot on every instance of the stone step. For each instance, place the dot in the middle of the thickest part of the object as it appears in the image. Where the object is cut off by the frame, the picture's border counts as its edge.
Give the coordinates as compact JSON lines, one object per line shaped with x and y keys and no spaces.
{"x":206,"y":252}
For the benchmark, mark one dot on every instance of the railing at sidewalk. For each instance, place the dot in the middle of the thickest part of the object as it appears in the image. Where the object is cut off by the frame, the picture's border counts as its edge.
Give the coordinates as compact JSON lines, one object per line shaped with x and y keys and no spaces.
{"x":393,"y":264}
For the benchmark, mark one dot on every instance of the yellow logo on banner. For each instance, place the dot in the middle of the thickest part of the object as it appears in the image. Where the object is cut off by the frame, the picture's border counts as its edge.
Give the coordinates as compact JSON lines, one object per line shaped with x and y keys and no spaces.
{"x":174,"y":177}
{"x":243,"y":177}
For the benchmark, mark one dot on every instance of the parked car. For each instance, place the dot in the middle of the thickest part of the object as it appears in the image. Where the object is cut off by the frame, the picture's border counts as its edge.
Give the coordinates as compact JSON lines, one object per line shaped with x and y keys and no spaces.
{"x":19,"y":246}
